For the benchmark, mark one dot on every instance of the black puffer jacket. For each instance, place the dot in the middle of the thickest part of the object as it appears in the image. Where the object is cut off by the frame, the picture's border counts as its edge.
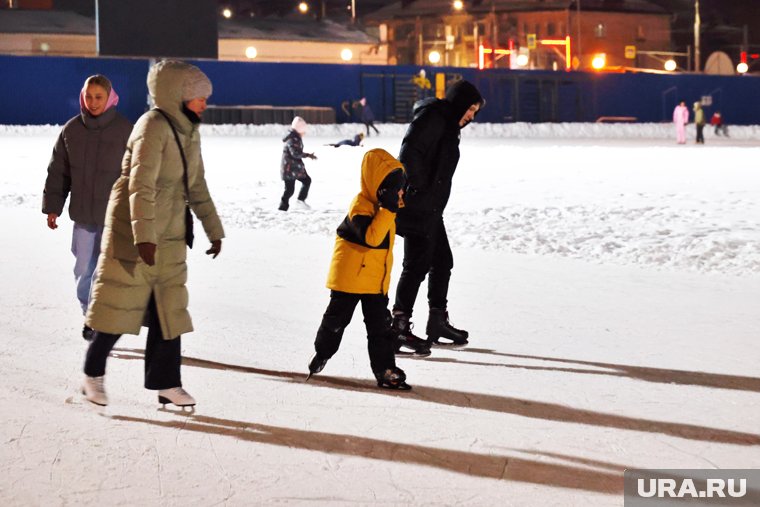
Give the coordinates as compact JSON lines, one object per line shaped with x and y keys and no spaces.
{"x":291,"y":166}
{"x":86,"y":162}
{"x":430,"y":153}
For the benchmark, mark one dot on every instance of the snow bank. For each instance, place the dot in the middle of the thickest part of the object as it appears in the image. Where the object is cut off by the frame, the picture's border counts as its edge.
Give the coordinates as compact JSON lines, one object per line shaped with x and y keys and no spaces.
{"x":476,"y":130}
{"x":637,"y":202}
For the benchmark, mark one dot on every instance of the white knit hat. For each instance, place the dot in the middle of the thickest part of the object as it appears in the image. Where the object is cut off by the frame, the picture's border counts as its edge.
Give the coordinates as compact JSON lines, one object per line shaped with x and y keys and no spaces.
{"x":196,"y":84}
{"x":299,"y":125}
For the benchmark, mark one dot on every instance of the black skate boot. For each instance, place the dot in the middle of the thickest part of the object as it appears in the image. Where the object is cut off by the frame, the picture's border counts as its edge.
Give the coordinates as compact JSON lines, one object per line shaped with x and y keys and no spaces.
{"x":439,"y":327}
{"x":406,"y":343}
{"x":316,"y":365}
{"x":392,"y":378}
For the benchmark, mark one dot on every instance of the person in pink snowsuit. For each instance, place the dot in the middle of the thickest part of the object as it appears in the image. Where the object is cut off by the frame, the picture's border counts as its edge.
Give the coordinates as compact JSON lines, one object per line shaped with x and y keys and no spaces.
{"x":680,"y":119}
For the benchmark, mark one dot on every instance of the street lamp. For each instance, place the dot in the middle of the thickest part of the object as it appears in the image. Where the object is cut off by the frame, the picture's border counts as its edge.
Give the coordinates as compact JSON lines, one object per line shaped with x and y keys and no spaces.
{"x":251,"y":52}
{"x":227,"y":12}
{"x":599,"y":61}
{"x":303,"y":7}
{"x":434,"y":57}
{"x":346,"y":55}
{"x":742,"y":68}
{"x":458,"y":5}
{"x":670,"y":65}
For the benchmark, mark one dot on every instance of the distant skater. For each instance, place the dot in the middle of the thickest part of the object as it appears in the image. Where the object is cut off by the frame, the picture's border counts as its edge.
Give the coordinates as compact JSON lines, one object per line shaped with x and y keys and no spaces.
{"x":355,"y":141}
{"x":699,"y":121}
{"x":680,"y":120}
{"x":292,"y":167}
{"x":717,"y":122}
{"x":367,"y":116}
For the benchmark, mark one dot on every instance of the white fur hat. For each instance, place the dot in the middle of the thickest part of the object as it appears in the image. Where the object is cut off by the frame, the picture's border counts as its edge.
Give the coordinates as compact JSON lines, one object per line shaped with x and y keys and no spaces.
{"x":299,"y":125}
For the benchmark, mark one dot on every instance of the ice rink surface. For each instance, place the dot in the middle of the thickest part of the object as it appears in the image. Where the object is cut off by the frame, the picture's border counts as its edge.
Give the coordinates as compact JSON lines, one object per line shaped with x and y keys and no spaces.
{"x":610,"y":285}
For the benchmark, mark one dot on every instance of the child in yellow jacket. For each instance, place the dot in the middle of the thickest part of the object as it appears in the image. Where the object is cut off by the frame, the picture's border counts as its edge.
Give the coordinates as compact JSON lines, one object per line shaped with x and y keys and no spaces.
{"x":360,"y":270}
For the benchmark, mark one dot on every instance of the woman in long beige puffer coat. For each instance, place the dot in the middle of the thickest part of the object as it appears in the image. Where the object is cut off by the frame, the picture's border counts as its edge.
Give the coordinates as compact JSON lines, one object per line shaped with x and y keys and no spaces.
{"x":142,"y":271}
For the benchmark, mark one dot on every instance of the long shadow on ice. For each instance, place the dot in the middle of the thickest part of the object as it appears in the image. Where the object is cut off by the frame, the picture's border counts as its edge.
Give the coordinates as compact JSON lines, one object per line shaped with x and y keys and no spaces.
{"x":489,"y":466}
{"x":659,"y":375}
{"x":490,"y":402}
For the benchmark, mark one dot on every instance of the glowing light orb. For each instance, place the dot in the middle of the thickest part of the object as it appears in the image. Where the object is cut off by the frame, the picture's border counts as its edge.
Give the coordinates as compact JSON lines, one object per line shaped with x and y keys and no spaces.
{"x":599,"y":61}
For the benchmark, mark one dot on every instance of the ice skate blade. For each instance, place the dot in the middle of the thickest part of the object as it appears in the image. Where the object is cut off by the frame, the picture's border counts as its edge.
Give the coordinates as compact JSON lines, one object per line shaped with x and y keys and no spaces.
{"x":412,"y":354}
{"x":185,"y":410}
{"x":403,"y":386}
{"x":166,"y":401}
{"x":93,"y":402}
{"x":449,"y":345}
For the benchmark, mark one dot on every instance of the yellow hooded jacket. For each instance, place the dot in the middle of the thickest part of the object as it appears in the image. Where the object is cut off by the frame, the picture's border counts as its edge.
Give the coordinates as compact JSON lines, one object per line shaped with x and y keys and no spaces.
{"x":363,"y":254}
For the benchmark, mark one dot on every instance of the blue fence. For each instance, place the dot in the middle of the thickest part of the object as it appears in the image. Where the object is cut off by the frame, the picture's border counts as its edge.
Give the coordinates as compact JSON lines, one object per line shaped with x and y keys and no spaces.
{"x":40,"y":90}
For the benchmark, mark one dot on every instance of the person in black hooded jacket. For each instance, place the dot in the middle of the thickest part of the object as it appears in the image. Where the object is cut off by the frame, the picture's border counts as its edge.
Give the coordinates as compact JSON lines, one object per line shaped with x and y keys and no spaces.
{"x":430,"y":153}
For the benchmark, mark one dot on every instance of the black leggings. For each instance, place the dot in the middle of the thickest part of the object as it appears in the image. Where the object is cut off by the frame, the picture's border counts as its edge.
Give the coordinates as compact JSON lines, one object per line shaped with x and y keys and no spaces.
{"x":371,"y":124}
{"x":163,"y":358}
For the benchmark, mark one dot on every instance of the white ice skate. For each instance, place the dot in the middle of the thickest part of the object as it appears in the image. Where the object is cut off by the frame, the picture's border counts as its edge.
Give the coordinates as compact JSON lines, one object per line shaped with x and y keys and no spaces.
{"x":176,"y":396}
{"x":94,"y":391}
{"x":302,"y":204}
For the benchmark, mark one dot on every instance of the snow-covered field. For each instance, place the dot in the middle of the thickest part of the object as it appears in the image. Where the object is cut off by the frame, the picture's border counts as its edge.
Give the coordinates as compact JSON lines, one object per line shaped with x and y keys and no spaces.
{"x":610,"y":281}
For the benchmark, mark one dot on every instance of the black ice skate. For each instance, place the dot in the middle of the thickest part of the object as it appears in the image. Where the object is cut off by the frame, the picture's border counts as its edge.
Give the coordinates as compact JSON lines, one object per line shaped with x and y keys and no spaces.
{"x":406,"y":343}
{"x":439,"y":328}
{"x":393,"y":378}
{"x":316,"y":365}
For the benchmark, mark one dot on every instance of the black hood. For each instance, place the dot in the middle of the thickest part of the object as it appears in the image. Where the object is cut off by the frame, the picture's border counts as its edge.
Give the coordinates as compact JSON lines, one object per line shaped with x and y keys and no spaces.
{"x":423,"y":105}
{"x":461,"y":95}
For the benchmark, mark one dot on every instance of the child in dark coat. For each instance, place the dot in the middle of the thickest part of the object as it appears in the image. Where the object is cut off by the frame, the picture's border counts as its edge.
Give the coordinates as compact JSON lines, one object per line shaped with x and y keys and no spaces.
{"x":361,"y":270}
{"x":292,"y":167}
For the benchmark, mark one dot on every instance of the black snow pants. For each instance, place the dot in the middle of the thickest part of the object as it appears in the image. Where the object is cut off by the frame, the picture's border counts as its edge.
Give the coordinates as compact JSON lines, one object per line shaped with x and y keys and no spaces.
{"x":290,"y":188}
{"x":425,"y":256}
{"x":377,"y":320}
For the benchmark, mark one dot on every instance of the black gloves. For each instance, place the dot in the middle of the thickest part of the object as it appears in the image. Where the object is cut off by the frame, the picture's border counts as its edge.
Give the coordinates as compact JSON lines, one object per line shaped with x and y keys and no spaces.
{"x":388,"y":199}
{"x":387,"y":194}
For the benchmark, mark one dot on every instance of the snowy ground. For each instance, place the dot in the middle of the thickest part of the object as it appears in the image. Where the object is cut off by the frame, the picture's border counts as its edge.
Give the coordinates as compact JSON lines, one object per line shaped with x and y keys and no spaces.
{"x":610,"y":284}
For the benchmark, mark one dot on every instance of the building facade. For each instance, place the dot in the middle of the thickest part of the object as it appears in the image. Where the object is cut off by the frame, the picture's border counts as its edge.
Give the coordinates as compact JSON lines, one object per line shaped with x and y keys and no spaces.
{"x":41,"y":31}
{"x":539,"y":30}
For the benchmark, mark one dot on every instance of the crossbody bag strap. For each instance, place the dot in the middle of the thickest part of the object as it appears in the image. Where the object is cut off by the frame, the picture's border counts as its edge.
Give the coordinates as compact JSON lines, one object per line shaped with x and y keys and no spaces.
{"x":181,"y":152}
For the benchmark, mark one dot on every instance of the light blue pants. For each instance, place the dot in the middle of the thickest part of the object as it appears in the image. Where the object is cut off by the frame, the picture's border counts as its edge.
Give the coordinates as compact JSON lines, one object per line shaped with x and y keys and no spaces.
{"x":85,"y":245}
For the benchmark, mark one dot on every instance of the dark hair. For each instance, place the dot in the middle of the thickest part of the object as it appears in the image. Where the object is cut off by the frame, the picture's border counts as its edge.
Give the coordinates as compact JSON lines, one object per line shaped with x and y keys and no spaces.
{"x":100,"y":80}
